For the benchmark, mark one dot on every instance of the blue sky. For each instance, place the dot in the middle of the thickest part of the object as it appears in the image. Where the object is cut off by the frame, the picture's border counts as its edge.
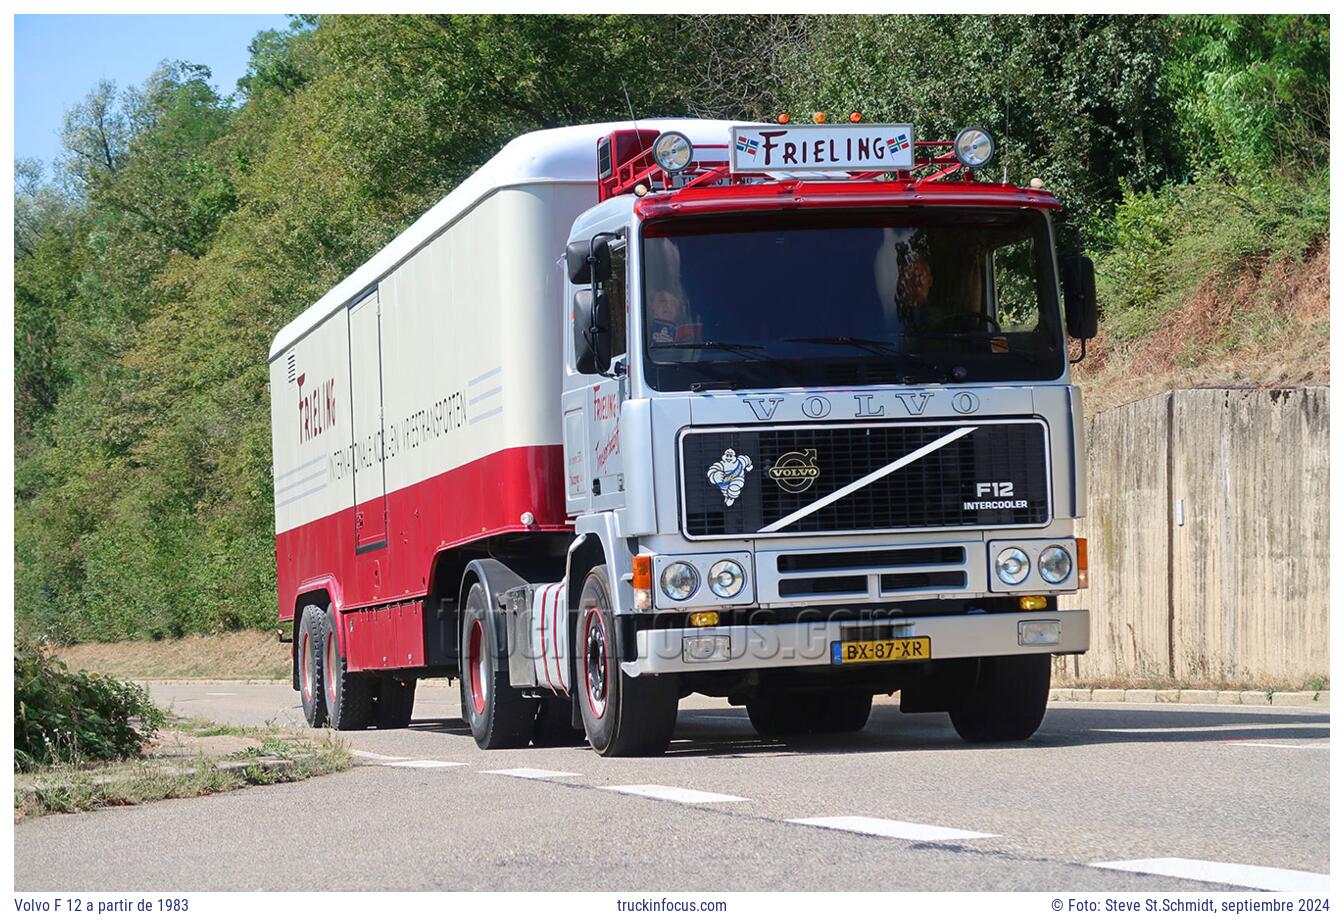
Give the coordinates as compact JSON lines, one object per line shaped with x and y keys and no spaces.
{"x":59,"y":58}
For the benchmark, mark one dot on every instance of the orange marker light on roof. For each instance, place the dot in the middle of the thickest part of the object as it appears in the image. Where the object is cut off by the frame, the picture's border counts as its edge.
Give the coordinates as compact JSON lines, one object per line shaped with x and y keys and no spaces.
{"x":856,"y":117}
{"x":819,"y":118}
{"x":783,"y":118}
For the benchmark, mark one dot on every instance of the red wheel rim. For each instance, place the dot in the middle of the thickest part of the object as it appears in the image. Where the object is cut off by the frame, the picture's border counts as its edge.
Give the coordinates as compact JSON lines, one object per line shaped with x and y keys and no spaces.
{"x":476,"y":667}
{"x":330,"y":668}
{"x":306,"y":651}
{"x":596,"y":673}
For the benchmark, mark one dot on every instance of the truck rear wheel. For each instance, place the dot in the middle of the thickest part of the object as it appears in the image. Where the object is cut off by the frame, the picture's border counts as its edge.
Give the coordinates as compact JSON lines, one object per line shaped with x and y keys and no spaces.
{"x":499,"y":715}
{"x":349,"y":696}
{"x":308,"y":650}
{"x":623,"y":716}
{"x":778,"y":715}
{"x":1008,"y":701}
{"x":396,"y":700}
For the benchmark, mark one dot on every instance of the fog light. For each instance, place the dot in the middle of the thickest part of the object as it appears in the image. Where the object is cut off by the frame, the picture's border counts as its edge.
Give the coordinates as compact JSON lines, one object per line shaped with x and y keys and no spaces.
{"x":705,"y":618}
{"x":726,"y":578}
{"x":705,"y":648}
{"x":1012,"y":566}
{"x":1055,"y":564}
{"x":1031,"y":602}
{"x":1038,"y":632}
{"x":643,"y":599}
{"x":679,"y":580}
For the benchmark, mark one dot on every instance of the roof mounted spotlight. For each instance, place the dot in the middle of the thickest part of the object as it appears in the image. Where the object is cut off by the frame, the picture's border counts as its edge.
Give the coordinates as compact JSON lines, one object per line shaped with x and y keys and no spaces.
{"x":672,"y":151}
{"x":973,"y":147}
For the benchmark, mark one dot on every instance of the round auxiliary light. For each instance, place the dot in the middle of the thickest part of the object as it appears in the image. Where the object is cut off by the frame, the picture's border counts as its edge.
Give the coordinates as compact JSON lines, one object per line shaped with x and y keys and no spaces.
{"x":819,"y":118}
{"x":679,"y":580}
{"x":973,"y":147}
{"x":856,"y":117}
{"x":1054,"y":564}
{"x":726,"y":578}
{"x":1012,"y":566}
{"x":672,"y":151}
{"x":783,"y":118}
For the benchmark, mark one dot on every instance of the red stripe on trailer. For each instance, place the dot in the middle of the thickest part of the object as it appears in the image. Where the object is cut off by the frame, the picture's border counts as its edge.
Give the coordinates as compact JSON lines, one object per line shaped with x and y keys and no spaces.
{"x":480,"y":499}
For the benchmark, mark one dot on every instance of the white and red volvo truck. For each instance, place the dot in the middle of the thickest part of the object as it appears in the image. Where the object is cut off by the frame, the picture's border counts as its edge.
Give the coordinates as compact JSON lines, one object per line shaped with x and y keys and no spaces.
{"x":775,"y":413}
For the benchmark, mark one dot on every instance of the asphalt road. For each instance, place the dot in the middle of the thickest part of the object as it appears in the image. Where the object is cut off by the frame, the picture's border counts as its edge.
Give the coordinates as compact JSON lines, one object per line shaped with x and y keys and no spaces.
{"x":903,"y":805}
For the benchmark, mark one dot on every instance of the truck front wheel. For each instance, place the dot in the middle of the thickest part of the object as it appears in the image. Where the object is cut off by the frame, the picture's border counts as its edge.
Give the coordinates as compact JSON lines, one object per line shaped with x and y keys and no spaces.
{"x":1008,"y":700}
{"x":778,"y":715}
{"x":623,"y":716}
{"x":499,"y":715}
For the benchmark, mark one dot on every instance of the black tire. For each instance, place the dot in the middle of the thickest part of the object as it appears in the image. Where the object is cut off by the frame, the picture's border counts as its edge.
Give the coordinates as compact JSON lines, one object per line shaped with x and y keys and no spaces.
{"x":623,"y":716}
{"x":396,"y":701}
{"x":307,"y":647}
{"x":499,"y":715}
{"x":780,"y":715}
{"x":555,"y":725}
{"x":1008,"y":701}
{"x":348,"y":696}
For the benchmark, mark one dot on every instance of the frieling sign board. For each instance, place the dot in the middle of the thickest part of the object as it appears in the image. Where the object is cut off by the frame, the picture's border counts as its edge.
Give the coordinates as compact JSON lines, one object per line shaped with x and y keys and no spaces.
{"x":821,"y":148}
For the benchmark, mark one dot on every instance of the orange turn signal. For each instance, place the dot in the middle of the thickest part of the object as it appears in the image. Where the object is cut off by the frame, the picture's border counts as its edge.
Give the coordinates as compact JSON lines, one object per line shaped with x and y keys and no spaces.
{"x":643,"y":574}
{"x":1082,"y":554}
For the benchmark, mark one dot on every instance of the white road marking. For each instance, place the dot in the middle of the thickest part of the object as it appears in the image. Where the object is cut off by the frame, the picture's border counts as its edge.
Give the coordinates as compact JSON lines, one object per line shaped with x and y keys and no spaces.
{"x":208,"y":693}
{"x":675,"y":794}
{"x":1297,"y":747}
{"x":1230,"y":727}
{"x":423,"y":764}
{"x":372,"y":756}
{"x":530,"y":773}
{"x":1264,"y":878}
{"x":881,"y":827}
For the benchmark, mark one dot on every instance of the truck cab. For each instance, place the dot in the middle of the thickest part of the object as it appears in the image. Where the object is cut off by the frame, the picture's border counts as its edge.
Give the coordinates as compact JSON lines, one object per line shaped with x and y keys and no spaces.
{"x":819,"y":422}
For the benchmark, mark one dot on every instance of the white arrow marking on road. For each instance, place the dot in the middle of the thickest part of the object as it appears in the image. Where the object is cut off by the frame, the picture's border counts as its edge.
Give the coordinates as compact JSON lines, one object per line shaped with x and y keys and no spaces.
{"x":1265,"y":878}
{"x":868,"y":480}
{"x":881,"y":827}
{"x":675,"y":794}
{"x":530,"y":773}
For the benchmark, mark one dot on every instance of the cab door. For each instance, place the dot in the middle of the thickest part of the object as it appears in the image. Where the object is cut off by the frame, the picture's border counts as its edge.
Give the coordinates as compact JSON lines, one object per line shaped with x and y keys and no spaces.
{"x":366,"y":394}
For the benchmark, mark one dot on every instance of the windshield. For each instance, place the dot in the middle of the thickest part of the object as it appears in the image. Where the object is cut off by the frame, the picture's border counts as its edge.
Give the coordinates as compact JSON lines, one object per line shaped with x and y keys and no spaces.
{"x":929,"y":295}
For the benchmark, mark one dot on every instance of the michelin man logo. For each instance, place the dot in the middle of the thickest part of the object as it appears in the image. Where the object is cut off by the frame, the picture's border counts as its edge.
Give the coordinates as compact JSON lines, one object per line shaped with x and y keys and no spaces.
{"x":730,"y":475}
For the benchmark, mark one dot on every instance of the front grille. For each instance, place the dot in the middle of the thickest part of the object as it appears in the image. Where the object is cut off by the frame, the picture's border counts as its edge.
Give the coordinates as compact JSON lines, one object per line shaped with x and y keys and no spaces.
{"x":995,"y":475}
{"x":873,"y":574}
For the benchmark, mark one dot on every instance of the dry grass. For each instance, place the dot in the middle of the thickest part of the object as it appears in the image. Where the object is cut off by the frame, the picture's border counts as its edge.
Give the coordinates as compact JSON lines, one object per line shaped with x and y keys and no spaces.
{"x":1265,"y":329}
{"x":232,"y":656}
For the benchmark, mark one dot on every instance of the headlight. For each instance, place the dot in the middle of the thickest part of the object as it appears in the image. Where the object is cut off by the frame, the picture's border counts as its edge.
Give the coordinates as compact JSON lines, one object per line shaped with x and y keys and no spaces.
{"x":1012,"y":566}
{"x":973,"y":147}
{"x":726,"y":578}
{"x":679,"y":580}
{"x":1054,"y":564}
{"x":672,"y":151}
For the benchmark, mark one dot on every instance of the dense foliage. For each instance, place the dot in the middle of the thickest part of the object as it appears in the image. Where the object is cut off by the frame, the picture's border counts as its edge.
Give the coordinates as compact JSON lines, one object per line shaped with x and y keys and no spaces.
{"x":60,"y":717}
{"x":184,"y":227}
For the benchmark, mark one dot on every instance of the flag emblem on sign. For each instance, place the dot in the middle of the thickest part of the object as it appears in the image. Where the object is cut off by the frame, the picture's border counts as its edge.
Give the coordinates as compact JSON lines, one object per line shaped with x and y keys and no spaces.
{"x":747,"y":146}
{"x":899,"y":142}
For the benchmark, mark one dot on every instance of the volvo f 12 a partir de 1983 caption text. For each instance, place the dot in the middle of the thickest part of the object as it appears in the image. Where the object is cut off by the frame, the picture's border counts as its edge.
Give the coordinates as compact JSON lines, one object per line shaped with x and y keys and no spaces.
{"x":769,"y":412}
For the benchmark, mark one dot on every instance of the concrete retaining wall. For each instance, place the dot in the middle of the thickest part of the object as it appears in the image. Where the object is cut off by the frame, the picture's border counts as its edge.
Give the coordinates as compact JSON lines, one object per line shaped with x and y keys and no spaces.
{"x":1208,"y":537}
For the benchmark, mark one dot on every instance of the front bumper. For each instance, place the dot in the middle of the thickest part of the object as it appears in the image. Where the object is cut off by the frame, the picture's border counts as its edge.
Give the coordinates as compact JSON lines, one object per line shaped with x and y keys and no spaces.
{"x":660,"y":651}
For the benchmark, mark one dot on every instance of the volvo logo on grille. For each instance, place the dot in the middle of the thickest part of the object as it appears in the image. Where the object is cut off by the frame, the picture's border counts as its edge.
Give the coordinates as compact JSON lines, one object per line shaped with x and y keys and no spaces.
{"x":795,"y":471}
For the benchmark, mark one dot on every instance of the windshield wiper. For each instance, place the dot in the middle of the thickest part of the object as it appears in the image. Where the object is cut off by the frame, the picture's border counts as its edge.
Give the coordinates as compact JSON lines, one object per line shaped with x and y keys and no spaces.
{"x":876,"y":346}
{"x":726,"y":346}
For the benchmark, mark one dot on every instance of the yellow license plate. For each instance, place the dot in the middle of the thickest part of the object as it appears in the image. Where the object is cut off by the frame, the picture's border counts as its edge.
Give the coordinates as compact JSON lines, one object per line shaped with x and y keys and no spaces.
{"x":912,"y":649}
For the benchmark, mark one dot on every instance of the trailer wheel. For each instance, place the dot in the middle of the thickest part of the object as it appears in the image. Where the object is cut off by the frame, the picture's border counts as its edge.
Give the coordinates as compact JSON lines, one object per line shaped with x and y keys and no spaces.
{"x":396,"y":700}
{"x":349,"y":696}
{"x":308,"y":650}
{"x":778,"y":715}
{"x":555,"y":726}
{"x":499,"y":715}
{"x":623,"y":716}
{"x":1008,"y":701}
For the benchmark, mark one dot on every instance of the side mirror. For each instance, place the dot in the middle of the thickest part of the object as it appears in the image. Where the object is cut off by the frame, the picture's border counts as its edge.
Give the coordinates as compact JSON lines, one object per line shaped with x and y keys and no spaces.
{"x":592,"y":333}
{"x":1080,"y":296}
{"x":581,"y":271}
